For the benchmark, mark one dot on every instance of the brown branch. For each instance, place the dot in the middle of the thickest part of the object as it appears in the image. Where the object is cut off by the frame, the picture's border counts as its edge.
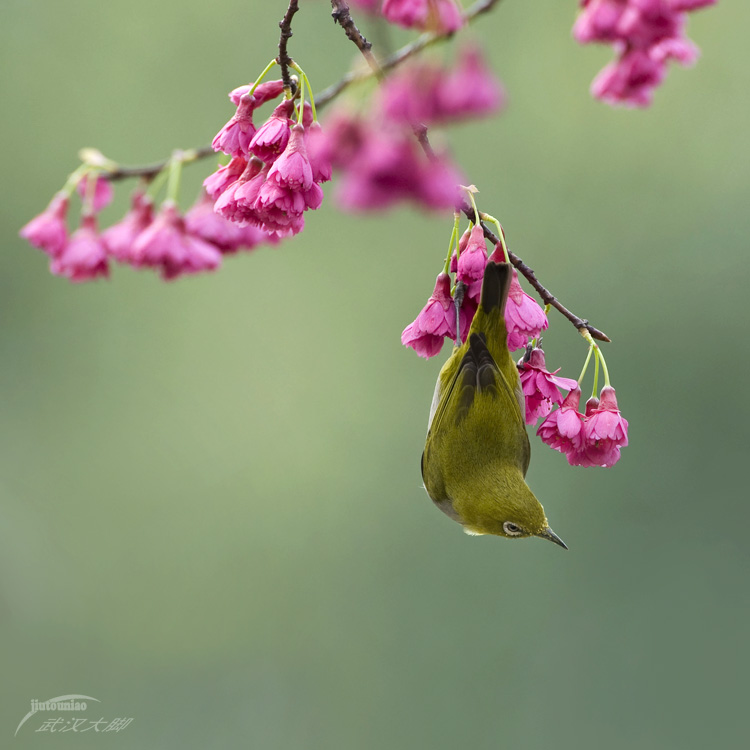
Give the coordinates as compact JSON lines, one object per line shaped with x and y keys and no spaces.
{"x":342,"y":16}
{"x":547,"y":297}
{"x":387,"y":63}
{"x":327,"y":95}
{"x":285,"y":24}
{"x":149,"y":171}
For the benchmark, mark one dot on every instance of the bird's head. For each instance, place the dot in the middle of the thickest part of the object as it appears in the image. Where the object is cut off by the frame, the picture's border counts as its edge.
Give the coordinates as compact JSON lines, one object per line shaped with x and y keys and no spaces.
{"x":513,"y":512}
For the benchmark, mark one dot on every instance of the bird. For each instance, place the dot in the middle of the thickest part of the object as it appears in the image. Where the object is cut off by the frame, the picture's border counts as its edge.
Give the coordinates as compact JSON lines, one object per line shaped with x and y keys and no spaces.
{"x":477,"y":451}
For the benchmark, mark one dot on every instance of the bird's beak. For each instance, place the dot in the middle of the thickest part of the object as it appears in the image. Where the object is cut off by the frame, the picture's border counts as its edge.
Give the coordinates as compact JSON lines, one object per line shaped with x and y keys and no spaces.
{"x":549,"y":534}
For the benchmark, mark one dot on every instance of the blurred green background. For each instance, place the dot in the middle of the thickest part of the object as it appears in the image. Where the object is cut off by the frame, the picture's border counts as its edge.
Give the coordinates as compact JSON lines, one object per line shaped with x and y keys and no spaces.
{"x":211,"y":511}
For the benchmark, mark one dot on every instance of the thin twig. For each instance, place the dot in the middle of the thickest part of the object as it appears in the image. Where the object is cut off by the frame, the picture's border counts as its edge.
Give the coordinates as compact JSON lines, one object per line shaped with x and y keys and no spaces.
{"x":425,"y":40}
{"x":151,"y":170}
{"x":342,"y":16}
{"x":285,"y":24}
{"x":547,"y":297}
{"x":327,"y":95}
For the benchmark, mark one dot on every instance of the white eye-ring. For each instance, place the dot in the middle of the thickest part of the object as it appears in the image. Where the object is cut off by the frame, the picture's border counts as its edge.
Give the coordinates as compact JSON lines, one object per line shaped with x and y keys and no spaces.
{"x":512,"y":529}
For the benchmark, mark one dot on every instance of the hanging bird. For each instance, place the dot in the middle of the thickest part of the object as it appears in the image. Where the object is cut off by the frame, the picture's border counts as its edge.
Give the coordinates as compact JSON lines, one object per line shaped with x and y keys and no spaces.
{"x":477,"y":450}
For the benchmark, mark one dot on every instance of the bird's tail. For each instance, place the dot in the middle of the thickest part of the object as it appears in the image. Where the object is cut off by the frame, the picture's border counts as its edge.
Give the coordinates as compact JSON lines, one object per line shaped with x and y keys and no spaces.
{"x":495,"y":286}
{"x":489,"y":320}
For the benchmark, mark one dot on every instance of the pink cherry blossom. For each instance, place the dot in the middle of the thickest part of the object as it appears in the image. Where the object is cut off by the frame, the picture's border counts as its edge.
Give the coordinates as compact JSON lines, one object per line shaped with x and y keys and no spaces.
{"x":235,"y":137}
{"x":540,"y":387}
{"x":473,"y":259}
{"x":119,"y":238}
{"x":604,"y":433}
{"x":48,"y":230}
{"x":292,"y":169}
{"x":280,"y":209}
{"x":236,"y":202}
{"x":342,"y":139}
{"x":167,"y":245}
{"x":388,"y":169}
{"x":599,"y":21}
{"x":273,"y":135}
{"x":645,"y":35}
{"x":216,"y":183}
{"x":605,"y":428}
{"x":84,"y":257}
{"x":524,"y":318}
{"x":321,"y":166}
{"x":203,"y":222}
{"x":630,"y":80}
{"x":264,"y":92}
{"x":384,"y":171}
{"x":438,"y":183}
{"x":424,"y":92}
{"x":468,"y":309}
{"x":199,"y":256}
{"x":562,"y":430}
{"x":436,"y":320}
{"x":103,"y":192}
{"x":160,"y":244}
{"x":470,"y":89}
{"x":437,"y":15}
{"x":410,"y":95}
{"x":682,"y":51}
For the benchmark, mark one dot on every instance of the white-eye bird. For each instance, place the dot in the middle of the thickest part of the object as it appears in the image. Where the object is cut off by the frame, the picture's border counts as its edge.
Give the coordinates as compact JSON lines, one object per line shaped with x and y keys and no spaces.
{"x":477,"y":450}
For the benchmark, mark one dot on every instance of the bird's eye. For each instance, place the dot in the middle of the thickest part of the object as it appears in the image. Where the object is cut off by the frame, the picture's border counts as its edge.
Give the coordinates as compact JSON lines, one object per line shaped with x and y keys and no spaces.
{"x":511,"y":529}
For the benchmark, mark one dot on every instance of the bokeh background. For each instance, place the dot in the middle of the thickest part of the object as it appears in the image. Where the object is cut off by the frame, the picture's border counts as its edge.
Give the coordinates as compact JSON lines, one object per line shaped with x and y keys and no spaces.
{"x":211,"y":511}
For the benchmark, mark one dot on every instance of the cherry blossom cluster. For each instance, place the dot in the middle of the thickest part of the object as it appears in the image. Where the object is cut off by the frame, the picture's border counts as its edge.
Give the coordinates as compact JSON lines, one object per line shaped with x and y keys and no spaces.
{"x":524,"y":318}
{"x":590,"y":439}
{"x":273,"y":176}
{"x":593,"y":438}
{"x":376,"y":153}
{"x":165,"y":241}
{"x":646,"y":35}
{"x":432,"y":15}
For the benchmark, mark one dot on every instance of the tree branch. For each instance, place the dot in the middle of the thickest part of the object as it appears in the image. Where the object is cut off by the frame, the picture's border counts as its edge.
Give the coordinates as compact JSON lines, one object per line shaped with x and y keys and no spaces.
{"x":425,"y":40}
{"x":285,"y":24}
{"x":342,"y":16}
{"x":327,"y":95}
{"x":547,"y":297}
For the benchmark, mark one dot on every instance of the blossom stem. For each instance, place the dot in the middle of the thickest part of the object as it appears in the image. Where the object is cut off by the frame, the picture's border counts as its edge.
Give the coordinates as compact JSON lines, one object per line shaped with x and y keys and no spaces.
{"x":91,"y":178}
{"x":306,"y":90}
{"x":262,"y":76}
{"x":500,"y":234}
{"x":301,"y":108}
{"x":604,"y":366}
{"x":74,"y":178}
{"x":596,"y":371}
{"x":586,"y":364}
{"x":453,"y":242}
{"x":157,"y":183}
{"x":286,"y":32}
{"x":310,"y":95}
{"x":470,"y":193}
{"x":175,"y":173}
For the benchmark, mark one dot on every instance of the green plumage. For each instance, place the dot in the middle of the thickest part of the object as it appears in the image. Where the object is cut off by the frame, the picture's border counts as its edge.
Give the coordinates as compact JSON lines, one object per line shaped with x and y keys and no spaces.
{"x":477,"y":451}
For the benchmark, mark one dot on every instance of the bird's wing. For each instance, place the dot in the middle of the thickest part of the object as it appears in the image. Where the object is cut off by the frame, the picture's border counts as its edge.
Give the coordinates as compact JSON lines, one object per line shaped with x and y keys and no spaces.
{"x":476,"y":373}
